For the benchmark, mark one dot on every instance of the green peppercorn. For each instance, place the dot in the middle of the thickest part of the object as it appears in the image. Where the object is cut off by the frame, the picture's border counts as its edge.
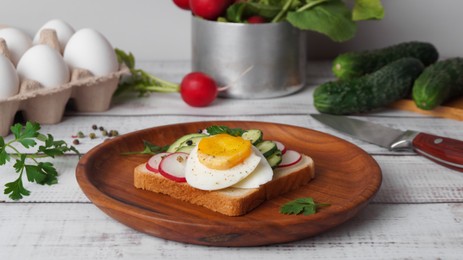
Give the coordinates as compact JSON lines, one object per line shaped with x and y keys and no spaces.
{"x":104,"y":133}
{"x":92,"y":135}
{"x":114,"y":133}
{"x":80,"y":134}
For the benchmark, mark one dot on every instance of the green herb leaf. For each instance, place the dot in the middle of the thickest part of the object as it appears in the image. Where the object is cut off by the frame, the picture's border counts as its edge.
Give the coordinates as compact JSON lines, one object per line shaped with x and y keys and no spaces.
{"x":26,"y":135}
{"x":47,"y":169}
{"x":16,"y":189}
{"x":149,"y":148}
{"x":305,"y":206}
{"x":266,"y":9}
{"x":39,"y":172}
{"x":367,"y":9}
{"x":154,"y":149}
{"x":213,"y":130}
{"x":332,"y":18}
{"x":34,"y":174}
{"x":235,"y":13}
{"x":4,"y":156}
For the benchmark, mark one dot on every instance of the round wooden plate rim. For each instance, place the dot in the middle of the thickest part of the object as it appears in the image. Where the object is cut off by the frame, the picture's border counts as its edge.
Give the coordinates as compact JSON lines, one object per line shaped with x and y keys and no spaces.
{"x":99,"y":197}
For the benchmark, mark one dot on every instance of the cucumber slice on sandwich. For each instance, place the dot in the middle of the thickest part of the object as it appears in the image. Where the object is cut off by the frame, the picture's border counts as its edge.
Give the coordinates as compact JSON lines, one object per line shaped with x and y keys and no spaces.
{"x":253,"y":135}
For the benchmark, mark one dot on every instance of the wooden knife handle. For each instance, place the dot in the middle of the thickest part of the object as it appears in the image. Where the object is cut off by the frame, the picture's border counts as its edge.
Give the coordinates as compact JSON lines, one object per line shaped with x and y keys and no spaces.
{"x":445,"y":151}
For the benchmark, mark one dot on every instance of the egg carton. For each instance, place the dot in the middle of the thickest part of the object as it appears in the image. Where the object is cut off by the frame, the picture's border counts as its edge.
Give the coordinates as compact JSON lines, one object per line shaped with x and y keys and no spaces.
{"x":46,"y":106}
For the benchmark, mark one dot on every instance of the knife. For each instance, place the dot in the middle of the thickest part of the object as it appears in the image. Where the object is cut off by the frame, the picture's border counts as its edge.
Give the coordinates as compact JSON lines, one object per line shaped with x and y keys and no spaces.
{"x":442,"y":150}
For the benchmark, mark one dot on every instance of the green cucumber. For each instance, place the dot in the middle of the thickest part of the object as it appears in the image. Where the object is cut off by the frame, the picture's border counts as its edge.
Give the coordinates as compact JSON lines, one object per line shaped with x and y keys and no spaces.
{"x":275,"y":159}
{"x":182,"y":141}
{"x":354,"y":64}
{"x":253,"y":135}
{"x":267,"y":148}
{"x":391,"y":83}
{"x":438,"y":83}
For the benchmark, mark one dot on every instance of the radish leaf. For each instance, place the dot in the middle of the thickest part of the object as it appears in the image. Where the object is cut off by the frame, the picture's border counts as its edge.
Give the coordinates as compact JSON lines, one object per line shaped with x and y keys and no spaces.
{"x":330,"y":18}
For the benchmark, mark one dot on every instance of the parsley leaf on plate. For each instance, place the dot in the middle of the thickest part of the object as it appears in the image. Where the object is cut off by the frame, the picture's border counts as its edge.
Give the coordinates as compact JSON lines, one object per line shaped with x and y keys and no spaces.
{"x":305,"y":206}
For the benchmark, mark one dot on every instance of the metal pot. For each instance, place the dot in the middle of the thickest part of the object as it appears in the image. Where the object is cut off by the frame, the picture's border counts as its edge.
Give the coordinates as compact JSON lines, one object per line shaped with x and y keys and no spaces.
{"x":255,"y":60}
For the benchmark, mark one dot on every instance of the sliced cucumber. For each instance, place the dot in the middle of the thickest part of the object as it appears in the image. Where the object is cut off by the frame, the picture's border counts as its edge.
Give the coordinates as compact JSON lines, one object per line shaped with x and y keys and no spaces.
{"x":275,"y":159}
{"x":267,"y":148}
{"x":182,"y":141}
{"x":186,"y":149}
{"x":253,"y":135}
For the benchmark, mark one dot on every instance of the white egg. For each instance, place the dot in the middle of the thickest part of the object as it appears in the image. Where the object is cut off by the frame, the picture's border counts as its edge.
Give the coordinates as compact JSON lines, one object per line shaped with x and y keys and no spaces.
{"x":18,"y":42}
{"x":9,"y":80}
{"x":44,"y":64}
{"x":263,"y":173}
{"x":90,"y":50}
{"x":201,"y":177}
{"x":63,"y":30}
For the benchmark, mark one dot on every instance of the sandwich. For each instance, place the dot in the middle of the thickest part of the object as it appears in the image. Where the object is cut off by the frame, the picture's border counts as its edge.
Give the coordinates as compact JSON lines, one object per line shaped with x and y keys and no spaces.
{"x":230,"y":172}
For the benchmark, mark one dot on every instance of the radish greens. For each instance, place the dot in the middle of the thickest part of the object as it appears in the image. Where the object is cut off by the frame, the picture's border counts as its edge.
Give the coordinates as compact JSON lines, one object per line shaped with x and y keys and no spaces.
{"x":333,"y":18}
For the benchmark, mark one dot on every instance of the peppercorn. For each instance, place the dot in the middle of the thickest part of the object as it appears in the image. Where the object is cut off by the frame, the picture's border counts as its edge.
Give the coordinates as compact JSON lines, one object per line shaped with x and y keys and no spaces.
{"x":101,"y":128}
{"x":76,"y":141}
{"x":113,"y":133}
{"x":94,"y":127}
{"x":189,"y":142}
{"x":80,"y":134}
{"x":92,"y":135}
{"x":104,"y":133}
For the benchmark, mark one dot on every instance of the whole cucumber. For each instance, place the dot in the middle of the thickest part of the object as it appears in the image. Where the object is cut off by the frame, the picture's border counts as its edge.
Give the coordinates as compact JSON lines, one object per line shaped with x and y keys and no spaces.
{"x":378,"y":89}
{"x":438,"y":83}
{"x":355,"y":64}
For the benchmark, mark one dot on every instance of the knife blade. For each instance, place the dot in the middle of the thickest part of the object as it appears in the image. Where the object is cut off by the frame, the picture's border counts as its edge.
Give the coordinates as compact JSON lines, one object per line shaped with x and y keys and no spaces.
{"x":443,"y":150}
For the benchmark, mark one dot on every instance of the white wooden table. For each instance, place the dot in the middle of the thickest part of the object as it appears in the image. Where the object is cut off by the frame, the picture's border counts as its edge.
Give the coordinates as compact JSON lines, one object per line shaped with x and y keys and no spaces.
{"x":418,"y":212}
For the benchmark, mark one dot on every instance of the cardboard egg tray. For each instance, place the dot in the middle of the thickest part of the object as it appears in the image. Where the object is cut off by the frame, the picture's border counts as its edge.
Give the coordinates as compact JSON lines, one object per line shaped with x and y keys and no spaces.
{"x":47,"y":106}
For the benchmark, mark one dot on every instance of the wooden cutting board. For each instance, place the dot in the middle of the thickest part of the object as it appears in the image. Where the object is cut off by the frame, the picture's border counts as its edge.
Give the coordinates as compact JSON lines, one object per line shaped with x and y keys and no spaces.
{"x":451,"y":110}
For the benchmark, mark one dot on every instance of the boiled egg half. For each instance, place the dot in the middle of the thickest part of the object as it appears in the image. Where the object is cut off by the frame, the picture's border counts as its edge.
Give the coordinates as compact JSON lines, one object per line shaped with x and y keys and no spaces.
{"x":222,"y":160}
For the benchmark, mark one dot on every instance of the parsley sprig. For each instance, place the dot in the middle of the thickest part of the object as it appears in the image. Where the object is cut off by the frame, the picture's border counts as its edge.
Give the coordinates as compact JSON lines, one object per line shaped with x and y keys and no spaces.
{"x":220,"y":129}
{"x":305,"y":206}
{"x":27,"y":164}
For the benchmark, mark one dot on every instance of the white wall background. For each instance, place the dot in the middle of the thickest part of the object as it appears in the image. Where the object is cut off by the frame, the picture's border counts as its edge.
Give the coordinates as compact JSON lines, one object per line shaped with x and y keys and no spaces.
{"x":158,"y":30}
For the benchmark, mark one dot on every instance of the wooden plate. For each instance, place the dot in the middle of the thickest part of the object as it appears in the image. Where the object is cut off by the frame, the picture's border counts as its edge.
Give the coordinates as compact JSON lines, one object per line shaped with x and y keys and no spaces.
{"x":346,"y":177}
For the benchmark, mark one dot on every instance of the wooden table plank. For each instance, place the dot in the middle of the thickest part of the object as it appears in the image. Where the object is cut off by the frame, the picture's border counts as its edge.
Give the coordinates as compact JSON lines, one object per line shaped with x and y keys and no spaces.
{"x":80,"y":231}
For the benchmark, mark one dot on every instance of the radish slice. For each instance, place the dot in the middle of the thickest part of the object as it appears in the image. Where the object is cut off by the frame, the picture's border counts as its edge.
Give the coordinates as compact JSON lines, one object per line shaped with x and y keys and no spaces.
{"x":280,"y":146}
{"x":290,"y":158}
{"x":153,"y":163}
{"x":173,"y":166}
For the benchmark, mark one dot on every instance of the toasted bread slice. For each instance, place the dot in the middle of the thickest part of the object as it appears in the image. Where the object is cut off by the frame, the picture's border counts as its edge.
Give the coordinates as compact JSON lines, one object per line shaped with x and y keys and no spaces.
{"x":229,"y":201}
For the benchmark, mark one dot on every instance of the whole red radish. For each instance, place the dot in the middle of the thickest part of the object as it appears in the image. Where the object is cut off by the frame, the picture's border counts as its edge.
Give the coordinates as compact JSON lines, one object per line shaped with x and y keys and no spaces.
{"x":183,"y":4}
{"x":209,"y":9}
{"x":198,"y":89}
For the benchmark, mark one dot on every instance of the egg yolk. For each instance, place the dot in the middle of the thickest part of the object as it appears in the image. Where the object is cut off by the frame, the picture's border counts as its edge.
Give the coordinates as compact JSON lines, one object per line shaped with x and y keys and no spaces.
{"x":223,"y":151}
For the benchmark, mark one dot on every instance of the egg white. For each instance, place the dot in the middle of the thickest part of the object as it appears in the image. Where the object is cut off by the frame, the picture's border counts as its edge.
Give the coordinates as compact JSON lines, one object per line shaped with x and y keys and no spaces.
{"x":263,"y":173}
{"x":201,"y":177}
